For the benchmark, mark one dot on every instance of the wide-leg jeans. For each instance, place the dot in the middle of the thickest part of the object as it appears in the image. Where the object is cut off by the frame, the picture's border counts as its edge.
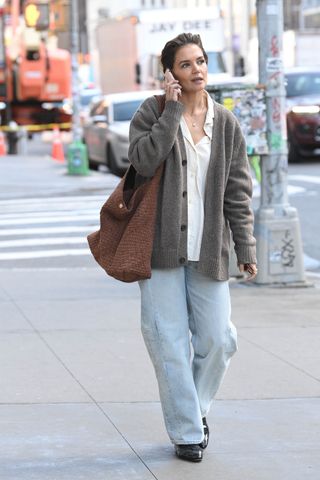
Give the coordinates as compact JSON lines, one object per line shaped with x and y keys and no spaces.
{"x":176,"y":305}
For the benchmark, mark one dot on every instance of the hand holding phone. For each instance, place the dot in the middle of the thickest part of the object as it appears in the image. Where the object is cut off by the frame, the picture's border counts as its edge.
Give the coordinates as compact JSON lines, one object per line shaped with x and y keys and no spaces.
{"x":172,"y":86}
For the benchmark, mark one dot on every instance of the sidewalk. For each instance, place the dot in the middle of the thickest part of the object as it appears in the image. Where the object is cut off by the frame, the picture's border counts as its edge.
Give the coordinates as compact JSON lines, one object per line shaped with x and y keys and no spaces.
{"x":40,"y":176}
{"x":79,"y":401}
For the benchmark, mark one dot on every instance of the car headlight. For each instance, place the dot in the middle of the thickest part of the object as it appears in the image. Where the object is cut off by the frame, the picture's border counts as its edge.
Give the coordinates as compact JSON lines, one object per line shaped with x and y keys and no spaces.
{"x":311,"y":109}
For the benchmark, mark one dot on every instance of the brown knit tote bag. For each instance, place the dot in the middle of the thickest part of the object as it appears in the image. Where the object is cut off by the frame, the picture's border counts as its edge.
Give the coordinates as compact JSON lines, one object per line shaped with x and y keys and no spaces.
{"x":123,"y":244}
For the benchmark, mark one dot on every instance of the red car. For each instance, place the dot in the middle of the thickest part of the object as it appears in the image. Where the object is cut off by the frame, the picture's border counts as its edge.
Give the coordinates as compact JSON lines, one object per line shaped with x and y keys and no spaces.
{"x":303,"y":113}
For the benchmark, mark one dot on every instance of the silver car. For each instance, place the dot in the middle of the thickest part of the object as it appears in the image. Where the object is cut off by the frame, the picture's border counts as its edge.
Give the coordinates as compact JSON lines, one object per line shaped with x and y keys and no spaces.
{"x":106,"y":131}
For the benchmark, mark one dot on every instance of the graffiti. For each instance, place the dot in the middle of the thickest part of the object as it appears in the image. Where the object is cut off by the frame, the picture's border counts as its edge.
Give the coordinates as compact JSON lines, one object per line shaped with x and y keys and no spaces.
{"x":274,"y":47}
{"x":287,"y":250}
{"x":276,"y":141}
{"x":282,"y":253}
{"x":274,"y":80}
{"x":276,"y":110}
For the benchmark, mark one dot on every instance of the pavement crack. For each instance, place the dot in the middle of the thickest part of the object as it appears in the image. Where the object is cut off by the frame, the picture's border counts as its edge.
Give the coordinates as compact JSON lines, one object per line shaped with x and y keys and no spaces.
{"x":280,"y":358}
{"x":93,"y":400}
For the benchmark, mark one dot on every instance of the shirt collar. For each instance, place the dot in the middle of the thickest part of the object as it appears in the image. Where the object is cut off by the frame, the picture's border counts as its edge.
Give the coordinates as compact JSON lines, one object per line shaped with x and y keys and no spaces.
{"x":208,"y":124}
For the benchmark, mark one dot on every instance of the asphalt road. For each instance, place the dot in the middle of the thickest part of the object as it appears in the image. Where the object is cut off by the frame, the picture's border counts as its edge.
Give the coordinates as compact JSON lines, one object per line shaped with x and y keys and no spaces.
{"x":46,"y":214}
{"x":307,"y":202}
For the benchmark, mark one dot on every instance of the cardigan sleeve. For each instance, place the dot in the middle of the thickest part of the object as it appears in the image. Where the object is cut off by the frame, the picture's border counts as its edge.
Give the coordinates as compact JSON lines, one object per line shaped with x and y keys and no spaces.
{"x":237,"y":201}
{"x":152,"y":136}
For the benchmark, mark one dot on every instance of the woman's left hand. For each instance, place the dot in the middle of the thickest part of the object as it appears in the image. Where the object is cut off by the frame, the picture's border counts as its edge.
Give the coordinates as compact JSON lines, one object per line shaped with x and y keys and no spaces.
{"x":250,"y":268}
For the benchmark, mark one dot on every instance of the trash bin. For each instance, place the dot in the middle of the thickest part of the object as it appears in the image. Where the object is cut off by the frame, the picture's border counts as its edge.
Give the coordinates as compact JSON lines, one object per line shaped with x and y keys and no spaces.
{"x":77,"y":159}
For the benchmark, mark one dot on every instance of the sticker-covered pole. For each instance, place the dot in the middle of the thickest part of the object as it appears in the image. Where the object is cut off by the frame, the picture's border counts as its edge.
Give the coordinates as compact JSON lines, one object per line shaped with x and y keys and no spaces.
{"x":277,"y":229}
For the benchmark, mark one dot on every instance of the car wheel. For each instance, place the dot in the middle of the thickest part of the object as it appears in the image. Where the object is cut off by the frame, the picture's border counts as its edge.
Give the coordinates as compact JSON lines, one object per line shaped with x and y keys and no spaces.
{"x":111,"y":162}
{"x":293,"y":153}
{"x":93,"y":165}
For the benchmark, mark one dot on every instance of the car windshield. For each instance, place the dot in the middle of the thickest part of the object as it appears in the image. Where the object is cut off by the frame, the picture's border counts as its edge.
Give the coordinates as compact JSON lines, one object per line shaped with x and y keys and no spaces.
{"x":299,"y":84}
{"x":124,"y":111}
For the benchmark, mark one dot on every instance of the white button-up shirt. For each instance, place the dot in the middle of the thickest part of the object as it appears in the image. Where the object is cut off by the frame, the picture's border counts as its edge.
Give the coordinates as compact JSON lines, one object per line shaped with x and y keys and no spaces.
{"x":198,"y":157}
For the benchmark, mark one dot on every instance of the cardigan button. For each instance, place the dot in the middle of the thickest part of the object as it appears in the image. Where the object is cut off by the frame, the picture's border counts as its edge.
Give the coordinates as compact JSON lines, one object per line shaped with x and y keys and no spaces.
{"x":184,"y":162}
{"x":182,"y":260}
{"x":183,"y":227}
{"x":120,"y":205}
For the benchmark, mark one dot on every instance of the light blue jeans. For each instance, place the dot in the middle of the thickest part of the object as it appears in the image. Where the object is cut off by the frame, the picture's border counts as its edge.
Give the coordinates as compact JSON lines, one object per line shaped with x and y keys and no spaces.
{"x":177,"y":303}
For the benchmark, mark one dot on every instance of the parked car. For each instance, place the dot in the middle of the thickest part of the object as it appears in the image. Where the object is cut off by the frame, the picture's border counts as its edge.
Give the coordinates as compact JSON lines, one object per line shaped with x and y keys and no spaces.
{"x":106,"y":132}
{"x":86,"y":97}
{"x":303,"y":112}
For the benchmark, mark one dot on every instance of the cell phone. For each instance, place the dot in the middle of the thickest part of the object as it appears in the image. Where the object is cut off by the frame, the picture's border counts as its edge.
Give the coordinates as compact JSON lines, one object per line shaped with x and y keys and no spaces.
{"x":168,"y":75}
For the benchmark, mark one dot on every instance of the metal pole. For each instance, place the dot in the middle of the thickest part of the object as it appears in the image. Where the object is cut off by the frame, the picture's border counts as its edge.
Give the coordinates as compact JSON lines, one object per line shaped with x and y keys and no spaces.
{"x":279,"y":246}
{"x":77,"y":151}
{"x":76,"y":128}
{"x":232,"y":39}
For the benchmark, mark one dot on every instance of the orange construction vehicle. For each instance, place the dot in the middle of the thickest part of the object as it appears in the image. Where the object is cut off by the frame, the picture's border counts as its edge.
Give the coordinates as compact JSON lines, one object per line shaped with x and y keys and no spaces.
{"x":35,"y":75}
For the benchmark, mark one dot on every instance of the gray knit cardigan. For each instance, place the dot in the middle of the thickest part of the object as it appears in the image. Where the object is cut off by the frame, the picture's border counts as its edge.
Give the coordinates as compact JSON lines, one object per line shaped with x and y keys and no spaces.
{"x":156,"y":138}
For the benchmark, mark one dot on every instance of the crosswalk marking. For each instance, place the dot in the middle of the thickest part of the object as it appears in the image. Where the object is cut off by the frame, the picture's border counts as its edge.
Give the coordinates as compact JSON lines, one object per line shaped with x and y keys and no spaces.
{"x":55,"y":213}
{"x":40,"y":228}
{"x":47,"y":230}
{"x":305,"y":178}
{"x":43,"y":254}
{"x":62,"y":218}
{"x":48,"y":200}
{"x":35,"y":242}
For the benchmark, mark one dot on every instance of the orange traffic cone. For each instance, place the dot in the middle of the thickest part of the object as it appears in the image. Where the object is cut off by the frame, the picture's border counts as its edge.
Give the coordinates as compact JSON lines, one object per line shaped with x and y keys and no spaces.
{"x":57,"y":147}
{"x":3,"y":148}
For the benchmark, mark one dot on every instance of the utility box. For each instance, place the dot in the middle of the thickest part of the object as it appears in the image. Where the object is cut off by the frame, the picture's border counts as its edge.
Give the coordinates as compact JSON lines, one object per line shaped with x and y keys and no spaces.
{"x":77,"y":159}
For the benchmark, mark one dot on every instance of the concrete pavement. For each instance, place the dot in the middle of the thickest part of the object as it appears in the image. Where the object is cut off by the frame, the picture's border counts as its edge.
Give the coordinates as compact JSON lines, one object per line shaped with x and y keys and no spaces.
{"x":78,"y":397}
{"x":79,"y":400}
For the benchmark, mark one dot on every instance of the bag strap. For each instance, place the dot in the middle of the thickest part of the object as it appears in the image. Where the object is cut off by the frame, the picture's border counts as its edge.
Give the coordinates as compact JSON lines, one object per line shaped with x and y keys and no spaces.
{"x":161,"y":99}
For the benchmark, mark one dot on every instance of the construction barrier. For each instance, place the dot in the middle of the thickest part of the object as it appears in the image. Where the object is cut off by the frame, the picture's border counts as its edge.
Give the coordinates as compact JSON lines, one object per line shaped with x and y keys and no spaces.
{"x":3,"y":147}
{"x":37,"y":128}
{"x":57,"y":152}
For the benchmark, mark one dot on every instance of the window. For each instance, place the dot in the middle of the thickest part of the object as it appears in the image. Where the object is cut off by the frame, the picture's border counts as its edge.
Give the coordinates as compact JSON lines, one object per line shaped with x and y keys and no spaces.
{"x":299,"y":84}
{"x":124,"y":111}
{"x":99,"y":109}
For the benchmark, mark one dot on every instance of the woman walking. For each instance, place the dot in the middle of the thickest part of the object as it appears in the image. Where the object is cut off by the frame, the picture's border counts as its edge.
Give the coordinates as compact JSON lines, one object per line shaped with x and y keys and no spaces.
{"x":204,"y":193}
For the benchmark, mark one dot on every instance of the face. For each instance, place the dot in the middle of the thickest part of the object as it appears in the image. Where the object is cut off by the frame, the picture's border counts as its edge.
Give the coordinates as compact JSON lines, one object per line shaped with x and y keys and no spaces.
{"x":190,"y":68}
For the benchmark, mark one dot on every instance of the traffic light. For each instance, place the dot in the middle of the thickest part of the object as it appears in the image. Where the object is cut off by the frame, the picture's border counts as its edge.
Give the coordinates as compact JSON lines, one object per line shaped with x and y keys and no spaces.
{"x":37,"y":15}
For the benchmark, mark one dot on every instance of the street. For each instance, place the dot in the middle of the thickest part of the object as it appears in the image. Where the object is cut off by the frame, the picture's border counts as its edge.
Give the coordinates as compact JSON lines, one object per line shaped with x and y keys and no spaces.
{"x":57,"y":238}
{"x":306,"y":178}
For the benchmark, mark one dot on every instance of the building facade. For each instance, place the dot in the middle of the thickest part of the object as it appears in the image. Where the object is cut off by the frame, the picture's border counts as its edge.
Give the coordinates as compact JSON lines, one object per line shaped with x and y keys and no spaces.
{"x":98,"y":9}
